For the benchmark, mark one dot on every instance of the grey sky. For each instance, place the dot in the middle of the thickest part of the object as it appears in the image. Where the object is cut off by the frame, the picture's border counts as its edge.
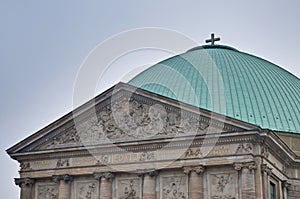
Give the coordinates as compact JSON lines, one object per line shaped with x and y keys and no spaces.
{"x":43,"y":43}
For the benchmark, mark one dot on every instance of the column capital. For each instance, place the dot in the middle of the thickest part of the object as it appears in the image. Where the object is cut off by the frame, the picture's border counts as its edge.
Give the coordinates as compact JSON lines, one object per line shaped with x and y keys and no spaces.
{"x":286,"y":184}
{"x":66,"y":178}
{"x":104,"y":175}
{"x":248,"y":165}
{"x":266,"y":169}
{"x":149,"y":172}
{"x":197,"y":169}
{"x":24,"y":181}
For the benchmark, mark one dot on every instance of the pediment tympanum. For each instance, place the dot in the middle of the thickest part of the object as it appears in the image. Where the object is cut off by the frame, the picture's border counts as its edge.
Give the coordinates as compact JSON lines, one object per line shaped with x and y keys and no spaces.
{"x":127,"y":114}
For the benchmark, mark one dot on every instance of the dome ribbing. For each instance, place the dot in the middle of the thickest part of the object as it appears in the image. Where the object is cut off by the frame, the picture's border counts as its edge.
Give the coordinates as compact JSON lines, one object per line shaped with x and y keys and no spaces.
{"x":252,"y":89}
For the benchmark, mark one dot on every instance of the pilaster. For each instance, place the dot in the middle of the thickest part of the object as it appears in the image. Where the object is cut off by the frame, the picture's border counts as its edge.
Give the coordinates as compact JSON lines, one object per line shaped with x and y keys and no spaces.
{"x":26,"y":187}
{"x":246,"y":170}
{"x":64,"y":189}
{"x":195,"y":174}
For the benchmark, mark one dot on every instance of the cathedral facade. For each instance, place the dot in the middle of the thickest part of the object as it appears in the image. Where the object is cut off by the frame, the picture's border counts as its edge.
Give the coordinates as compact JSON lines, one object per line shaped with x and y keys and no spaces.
{"x":151,"y":138}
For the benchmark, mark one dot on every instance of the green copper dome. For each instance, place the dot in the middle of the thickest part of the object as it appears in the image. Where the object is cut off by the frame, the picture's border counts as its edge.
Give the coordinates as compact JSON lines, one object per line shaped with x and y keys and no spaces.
{"x":224,"y":80}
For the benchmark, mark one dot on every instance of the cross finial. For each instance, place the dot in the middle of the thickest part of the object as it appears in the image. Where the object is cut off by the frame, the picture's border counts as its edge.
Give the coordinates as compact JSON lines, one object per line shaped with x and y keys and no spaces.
{"x":212,"y":39}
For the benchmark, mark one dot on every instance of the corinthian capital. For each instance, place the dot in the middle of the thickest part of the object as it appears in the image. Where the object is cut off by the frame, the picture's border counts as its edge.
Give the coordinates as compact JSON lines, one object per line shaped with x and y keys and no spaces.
{"x":248,"y":165}
{"x":66,"y":178}
{"x":197,"y":169}
{"x":265,"y":168}
{"x":24,"y":181}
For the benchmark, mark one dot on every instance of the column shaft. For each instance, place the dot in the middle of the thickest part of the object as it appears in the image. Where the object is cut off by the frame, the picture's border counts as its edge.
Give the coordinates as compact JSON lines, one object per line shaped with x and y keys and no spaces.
{"x":195,"y":185}
{"x":105,"y":189}
{"x":105,"y":185}
{"x":258,"y":180}
{"x":149,"y":187}
{"x":64,"y":190}
{"x":248,"y":184}
{"x":195,"y":174}
{"x":266,"y":180}
{"x":26,"y":191}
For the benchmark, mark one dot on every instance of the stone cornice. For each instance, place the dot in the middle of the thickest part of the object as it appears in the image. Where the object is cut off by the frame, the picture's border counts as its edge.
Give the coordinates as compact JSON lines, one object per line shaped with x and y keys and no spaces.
{"x":146,"y":145}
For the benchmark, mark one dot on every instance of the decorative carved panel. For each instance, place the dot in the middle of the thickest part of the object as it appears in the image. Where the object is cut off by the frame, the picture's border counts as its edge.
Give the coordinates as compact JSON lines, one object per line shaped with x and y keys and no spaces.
{"x":128,"y":188}
{"x":223,"y":185}
{"x":86,"y":189}
{"x":174,"y":187}
{"x":46,"y":191}
{"x":130,"y":119}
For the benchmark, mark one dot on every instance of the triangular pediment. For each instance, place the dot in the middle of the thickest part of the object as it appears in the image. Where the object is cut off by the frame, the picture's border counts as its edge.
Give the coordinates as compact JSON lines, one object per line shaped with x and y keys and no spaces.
{"x":124,"y":113}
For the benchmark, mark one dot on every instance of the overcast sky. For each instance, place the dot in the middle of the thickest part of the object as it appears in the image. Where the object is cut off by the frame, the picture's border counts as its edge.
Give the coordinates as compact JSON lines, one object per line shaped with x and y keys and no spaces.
{"x":43,"y":44}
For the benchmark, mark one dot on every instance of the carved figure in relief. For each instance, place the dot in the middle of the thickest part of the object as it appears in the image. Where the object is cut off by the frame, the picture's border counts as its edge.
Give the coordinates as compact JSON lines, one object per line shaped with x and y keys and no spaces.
{"x":222,"y":187}
{"x":222,"y":182}
{"x":193,"y":153}
{"x":47,"y":192}
{"x":244,"y":148}
{"x":87,"y":191}
{"x":173,"y":189}
{"x":146,"y":156}
{"x":25,"y":166}
{"x":128,"y":118}
{"x":129,"y":189}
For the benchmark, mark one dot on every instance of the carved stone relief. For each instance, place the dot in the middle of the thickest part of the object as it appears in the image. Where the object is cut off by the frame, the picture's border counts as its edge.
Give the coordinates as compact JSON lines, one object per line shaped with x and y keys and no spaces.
{"x":25,"y":166}
{"x":47,"y":191}
{"x":86,"y":189}
{"x":174,"y":187}
{"x":62,"y":163}
{"x":222,"y":185}
{"x":128,"y":188}
{"x":130,"y":119}
{"x":244,"y":148}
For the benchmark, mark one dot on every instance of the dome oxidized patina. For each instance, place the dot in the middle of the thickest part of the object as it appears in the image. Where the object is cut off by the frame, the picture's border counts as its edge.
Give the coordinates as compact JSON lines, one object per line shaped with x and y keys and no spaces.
{"x":252,"y":89}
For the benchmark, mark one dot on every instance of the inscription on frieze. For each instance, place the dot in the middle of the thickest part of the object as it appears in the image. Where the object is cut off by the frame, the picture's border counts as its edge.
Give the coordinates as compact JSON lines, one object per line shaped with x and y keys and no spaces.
{"x":133,"y":157}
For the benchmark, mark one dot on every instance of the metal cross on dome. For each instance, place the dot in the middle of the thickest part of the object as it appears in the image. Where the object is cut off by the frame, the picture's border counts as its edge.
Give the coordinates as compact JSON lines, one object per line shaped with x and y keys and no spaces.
{"x":212,"y":39}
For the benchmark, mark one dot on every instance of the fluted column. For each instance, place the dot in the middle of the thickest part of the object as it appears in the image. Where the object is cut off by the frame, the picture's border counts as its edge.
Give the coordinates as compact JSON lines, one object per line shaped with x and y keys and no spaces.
{"x":266,"y":172}
{"x":64,"y":189}
{"x":105,"y":184}
{"x":246,"y":170}
{"x":26,"y":187}
{"x":195,"y":174}
{"x":149,"y":185}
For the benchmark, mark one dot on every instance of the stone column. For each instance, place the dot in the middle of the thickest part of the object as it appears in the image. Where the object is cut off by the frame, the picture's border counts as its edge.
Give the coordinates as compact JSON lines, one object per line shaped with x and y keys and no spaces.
{"x":195,"y":174}
{"x":98,"y":176}
{"x":64,"y":189}
{"x":26,"y":187}
{"x":266,"y":172}
{"x":258,"y":179}
{"x":246,"y":170}
{"x":105,"y":185}
{"x":285,"y":185}
{"x":149,"y":184}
